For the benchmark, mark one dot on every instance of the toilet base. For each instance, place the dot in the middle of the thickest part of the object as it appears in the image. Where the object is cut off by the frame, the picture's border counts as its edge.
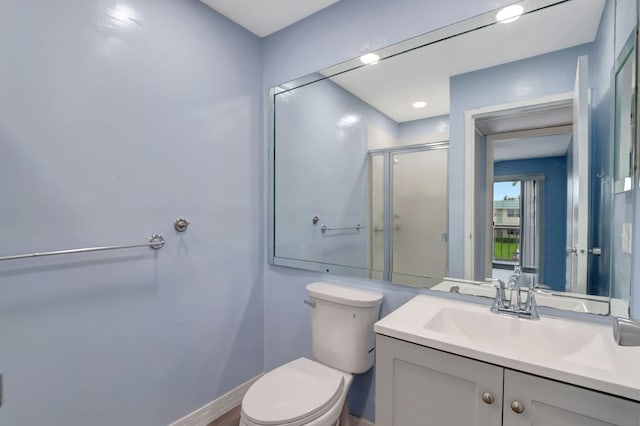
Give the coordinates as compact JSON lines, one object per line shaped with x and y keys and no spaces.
{"x":342,"y":420}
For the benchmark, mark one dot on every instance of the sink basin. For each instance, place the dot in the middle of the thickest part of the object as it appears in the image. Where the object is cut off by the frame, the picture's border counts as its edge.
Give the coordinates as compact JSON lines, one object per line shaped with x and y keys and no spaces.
{"x":485,"y":328}
{"x":576,"y":352}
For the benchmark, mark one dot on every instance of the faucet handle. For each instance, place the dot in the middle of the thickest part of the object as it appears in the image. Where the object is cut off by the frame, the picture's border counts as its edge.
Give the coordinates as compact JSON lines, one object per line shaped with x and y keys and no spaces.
{"x":626,"y":332}
{"x":531,"y":305}
{"x":499,"y":300}
{"x":497,"y":283}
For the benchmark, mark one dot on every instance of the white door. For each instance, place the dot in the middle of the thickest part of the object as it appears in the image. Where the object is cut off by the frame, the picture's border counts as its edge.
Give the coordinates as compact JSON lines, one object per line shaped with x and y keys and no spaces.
{"x":578,"y":184}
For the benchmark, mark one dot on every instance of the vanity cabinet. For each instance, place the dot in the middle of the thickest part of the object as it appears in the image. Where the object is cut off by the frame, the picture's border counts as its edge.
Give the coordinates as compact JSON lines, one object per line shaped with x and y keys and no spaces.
{"x":550,"y":403}
{"x":416,"y":385}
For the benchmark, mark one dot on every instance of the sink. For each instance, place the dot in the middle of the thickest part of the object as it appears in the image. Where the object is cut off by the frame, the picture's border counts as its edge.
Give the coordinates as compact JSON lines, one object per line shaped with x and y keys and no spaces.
{"x":576,"y":352}
{"x":486,"y":328}
{"x":557,"y":300}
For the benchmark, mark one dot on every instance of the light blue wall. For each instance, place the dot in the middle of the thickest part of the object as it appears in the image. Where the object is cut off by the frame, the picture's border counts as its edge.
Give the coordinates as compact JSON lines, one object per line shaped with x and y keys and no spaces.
{"x":339,"y":33}
{"x":623,"y":212}
{"x":635,"y":264}
{"x":110,"y":129}
{"x":553,"y":252}
{"x":543,"y":75}
{"x":322,"y":170}
{"x":425,"y":126}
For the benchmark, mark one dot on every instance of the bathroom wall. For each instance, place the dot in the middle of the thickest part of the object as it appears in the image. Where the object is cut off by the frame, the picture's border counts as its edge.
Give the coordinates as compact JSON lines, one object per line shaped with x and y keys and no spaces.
{"x":635,"y":264}
{"x":340,"y":32}
{"x":426,"y":130}
{"x":116,"y":118}
{"x":622,"y":202}
{"x":323,"y":170}
{"x":553,"y":252}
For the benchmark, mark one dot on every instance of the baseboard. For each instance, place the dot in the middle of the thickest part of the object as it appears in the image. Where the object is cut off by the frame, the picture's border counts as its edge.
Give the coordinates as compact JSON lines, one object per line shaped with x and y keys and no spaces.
{"x":357,"y":421}
{"x":216,"y":409}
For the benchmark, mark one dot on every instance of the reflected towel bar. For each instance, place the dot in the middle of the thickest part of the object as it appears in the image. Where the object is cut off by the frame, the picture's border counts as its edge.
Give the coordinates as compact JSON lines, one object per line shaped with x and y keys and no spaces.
{"x":325,"y":228}
{"x":155,"y":242}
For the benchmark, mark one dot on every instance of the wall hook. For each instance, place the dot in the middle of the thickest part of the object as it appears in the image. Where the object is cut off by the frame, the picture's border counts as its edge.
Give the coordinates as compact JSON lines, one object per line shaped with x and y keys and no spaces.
{"x":181,"y":224}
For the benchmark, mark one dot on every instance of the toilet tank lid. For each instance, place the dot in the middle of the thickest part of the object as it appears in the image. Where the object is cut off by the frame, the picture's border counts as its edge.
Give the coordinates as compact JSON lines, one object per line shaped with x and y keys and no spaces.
{"x":344,"y":295}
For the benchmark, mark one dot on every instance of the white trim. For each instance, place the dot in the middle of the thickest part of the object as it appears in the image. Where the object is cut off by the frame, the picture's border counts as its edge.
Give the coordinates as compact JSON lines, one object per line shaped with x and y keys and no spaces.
{"x":470,"y":117}
{"x":357,"y":421}
{"x":217,"y":408}
{"x":469,"y":191}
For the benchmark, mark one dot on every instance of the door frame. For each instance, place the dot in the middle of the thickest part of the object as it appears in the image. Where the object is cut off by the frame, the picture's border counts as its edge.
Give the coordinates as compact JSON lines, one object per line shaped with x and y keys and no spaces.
{"x":491,"y":140}
{"x":474,"y":201}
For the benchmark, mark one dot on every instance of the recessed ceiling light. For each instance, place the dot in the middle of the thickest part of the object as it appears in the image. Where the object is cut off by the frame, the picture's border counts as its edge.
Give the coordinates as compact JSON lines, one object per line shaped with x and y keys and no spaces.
{"x":509,"y":13}
{"x":419,"y":104}
{"x":369,"y":59}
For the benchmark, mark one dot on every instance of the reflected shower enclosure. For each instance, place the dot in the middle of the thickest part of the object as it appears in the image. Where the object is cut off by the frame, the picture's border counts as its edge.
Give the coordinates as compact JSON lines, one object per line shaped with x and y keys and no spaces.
{"x":356,"y":192}
{"x":409,"y":214}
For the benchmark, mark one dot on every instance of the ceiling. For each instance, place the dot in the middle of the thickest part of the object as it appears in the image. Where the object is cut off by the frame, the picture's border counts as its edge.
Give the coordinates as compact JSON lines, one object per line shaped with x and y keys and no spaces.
{"x":393,"y":84}
{"x":533,"y":147}
{"x":265,"y":17}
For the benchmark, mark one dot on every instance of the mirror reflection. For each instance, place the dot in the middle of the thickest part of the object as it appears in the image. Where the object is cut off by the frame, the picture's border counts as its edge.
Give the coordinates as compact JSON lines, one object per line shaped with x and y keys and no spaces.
{"x":467,"y":156}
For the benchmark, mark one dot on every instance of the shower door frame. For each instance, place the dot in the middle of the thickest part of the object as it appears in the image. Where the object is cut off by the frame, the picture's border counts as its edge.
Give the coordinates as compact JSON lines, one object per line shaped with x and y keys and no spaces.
{"x":387,"y":162}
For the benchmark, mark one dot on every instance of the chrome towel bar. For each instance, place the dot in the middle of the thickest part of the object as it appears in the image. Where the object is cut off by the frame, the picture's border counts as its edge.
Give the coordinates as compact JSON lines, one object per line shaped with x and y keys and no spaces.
{"x":155,"y":242}
{"x":325,"y":228}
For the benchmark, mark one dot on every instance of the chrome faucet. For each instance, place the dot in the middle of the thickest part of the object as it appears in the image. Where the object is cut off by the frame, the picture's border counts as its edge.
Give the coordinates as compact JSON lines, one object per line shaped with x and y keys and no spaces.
{"x":514,"y":286}
{"x":513,"y":304}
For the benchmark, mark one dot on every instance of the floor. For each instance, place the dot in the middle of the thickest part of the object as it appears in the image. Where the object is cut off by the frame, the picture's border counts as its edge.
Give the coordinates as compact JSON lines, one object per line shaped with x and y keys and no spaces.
{"x":232,"y":418}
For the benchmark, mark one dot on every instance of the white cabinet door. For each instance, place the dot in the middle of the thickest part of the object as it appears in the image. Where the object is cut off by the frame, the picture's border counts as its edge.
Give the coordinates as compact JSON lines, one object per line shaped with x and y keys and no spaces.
{"x":548,"y":403}
{"x":418,"y":386}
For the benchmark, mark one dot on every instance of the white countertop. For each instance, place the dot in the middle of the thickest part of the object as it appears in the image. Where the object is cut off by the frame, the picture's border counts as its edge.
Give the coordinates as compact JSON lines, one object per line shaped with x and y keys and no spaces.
{"x":575,"y":352}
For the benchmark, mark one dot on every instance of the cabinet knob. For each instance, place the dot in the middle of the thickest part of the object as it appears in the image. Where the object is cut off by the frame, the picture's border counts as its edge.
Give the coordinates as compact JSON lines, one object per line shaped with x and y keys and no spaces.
{"x":517,"y":407}
{"x":487,"y":398}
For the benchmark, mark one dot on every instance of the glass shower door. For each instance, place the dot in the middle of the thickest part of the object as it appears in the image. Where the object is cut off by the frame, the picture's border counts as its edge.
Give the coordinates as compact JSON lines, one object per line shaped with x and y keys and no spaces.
{"x":419,"y":216}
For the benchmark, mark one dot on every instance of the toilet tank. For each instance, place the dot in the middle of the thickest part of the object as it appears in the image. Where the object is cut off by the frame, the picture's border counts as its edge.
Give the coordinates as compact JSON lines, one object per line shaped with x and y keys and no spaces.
{"x":342,"y":326}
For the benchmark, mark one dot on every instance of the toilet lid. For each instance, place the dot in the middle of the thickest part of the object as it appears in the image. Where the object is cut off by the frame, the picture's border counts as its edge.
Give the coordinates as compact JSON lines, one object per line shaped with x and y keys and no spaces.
{"x":297,"y":390}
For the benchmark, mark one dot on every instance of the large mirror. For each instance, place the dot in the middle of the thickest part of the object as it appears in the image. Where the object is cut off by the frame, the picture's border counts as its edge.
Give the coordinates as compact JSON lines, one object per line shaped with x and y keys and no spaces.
{"x":493,"y":143}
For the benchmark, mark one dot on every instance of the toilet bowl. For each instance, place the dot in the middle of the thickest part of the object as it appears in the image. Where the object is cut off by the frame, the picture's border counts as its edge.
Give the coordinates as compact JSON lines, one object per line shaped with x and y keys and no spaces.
{"x":314,"y":393}
{"x":301,"y":392}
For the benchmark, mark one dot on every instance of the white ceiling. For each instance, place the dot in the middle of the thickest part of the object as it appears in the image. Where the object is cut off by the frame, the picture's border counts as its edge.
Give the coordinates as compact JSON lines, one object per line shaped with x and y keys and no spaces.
{"x":534,"y":147}
{"x":392,"y":85}
{"x":265,"y":17}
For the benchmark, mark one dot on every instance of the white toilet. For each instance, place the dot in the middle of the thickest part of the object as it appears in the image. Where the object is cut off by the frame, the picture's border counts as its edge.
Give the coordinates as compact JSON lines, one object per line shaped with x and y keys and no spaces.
{"x":314,"y":393}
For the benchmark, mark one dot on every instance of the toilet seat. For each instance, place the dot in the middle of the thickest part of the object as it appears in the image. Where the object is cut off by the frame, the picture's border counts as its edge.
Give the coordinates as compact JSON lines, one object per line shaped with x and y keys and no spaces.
{"x":294,"y":394}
